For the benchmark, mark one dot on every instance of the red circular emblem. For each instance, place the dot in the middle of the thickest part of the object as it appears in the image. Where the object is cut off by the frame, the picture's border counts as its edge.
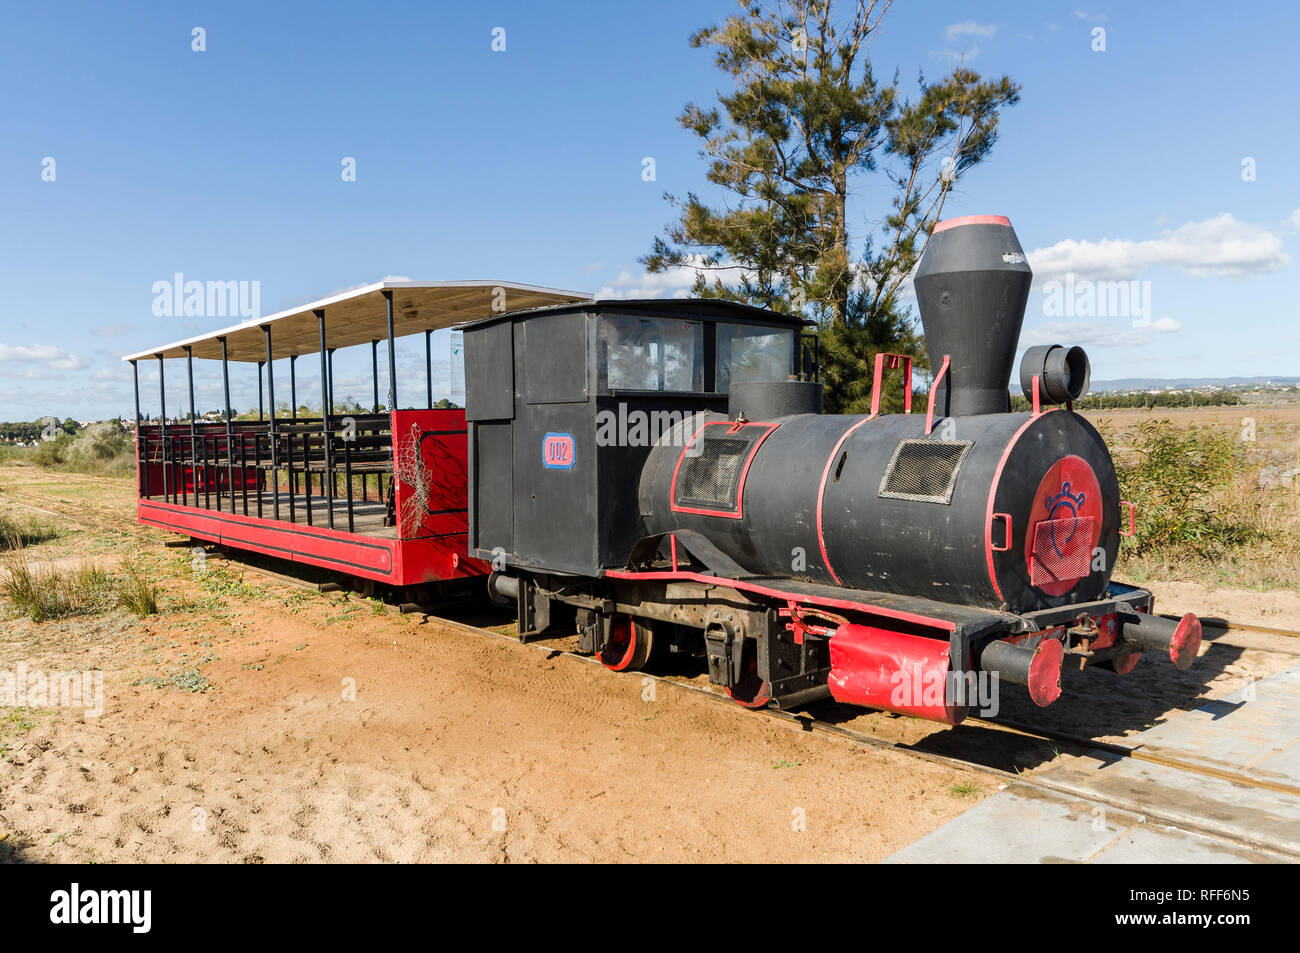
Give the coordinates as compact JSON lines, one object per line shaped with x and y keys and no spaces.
{"x":1064,"y":526}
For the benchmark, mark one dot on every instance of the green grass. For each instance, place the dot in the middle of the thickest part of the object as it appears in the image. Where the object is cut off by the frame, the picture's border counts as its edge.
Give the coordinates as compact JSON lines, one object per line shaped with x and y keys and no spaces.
{"x":134,"y":592}
{"x":16,"y":533}
{"x":964,"y":789}
{"x":185,"y":680}
{"x":43,"y":593}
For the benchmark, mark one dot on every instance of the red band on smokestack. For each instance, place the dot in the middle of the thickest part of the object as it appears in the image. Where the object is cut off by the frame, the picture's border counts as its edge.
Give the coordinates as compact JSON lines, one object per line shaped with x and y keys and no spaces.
{"x":974,"y":220}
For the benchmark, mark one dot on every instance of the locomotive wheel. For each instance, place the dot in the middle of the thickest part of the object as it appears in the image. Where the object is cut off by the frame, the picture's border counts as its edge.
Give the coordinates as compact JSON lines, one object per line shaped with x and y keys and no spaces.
{"x":630,"y":644}
{"x":751,"y":691}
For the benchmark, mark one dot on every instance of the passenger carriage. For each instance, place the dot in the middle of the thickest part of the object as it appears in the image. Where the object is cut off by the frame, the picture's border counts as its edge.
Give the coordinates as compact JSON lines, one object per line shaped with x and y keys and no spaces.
{"x":325,"y":490}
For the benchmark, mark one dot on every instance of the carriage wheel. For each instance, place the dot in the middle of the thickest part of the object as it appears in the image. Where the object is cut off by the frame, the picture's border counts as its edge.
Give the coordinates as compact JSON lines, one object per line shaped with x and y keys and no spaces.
{"x":751,"y":691}
{"x":629,"y":646}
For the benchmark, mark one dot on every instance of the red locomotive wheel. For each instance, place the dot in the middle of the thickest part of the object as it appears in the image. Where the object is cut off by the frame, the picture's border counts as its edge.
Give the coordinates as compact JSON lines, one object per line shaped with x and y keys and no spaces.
{"x":629,"y":646}
{"x":751,"y":691}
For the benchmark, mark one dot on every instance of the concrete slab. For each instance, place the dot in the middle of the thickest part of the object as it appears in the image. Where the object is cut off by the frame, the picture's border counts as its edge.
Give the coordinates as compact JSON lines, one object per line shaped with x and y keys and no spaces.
{"x":1023,"y":825}
{"x":1284,"y":766}
{"x":1152,"y":844}
{"x":1017,"y":826}
{"x":1197,"y":817}
{"x":1198,"y":801}
{"x":1238,"y":731}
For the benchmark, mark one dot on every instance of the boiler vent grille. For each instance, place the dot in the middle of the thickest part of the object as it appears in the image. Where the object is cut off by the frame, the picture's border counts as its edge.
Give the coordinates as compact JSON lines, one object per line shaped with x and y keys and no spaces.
{"x":924,"y":471}
{"x":711,"y":478}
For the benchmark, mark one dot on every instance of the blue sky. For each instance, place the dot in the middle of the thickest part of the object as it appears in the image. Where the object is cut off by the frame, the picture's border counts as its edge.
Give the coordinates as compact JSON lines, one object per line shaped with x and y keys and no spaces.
{"x":525,"y":165}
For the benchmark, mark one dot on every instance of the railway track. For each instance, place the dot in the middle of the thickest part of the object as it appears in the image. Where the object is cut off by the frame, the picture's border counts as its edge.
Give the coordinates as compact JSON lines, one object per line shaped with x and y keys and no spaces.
{"x":807,"y":721}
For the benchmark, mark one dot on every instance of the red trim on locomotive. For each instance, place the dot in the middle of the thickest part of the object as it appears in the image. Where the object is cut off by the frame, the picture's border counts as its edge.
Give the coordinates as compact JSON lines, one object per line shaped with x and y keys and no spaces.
{"x":973,"y":220}
{"x":1186,"y":642}
{"x":1045,"y":672}
{"x":895,"y":361}
{"x":733,"y":427}
{"x":821,"y":495}
{"x":993,"y":492}
{"x":934,"y":389}
{"x":1070,"y":487}
{"x":774,"y":593}
{"x":883,"y":669}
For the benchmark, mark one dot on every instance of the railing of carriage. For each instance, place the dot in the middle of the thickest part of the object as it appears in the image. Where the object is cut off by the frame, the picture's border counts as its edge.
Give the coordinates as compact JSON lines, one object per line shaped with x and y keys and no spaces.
{"x":232,"y":469}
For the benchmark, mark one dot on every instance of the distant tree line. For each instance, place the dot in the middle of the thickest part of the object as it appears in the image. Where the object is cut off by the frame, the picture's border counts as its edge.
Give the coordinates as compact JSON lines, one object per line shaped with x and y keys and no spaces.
{"x":27,"y":431}
{"x":1181,"y":398}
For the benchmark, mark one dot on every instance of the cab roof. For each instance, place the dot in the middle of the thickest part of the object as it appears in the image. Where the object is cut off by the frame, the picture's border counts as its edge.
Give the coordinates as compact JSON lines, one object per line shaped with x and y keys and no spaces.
{"x":705,"y":309}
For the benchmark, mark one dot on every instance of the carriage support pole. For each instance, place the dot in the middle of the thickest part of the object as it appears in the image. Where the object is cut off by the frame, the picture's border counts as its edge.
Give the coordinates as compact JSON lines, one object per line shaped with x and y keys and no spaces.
{"x":194,"y":456}
{"x":428,"y":366}
{"x":270,"y":393}
{"x":141,"y":463}
{"x":230,"y":436}
{"x":392,"y":355}
{"x":326,"y":361}
{"x":162,"y":443}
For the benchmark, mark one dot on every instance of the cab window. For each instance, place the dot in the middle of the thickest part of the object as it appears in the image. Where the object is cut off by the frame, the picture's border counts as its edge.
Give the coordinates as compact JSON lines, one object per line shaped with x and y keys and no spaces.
{"x":650,"y":354}
{"x":747,"y":353}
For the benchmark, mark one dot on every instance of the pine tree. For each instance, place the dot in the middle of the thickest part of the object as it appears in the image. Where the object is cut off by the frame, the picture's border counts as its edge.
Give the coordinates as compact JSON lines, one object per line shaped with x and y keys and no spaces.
{"x":806,"y":125}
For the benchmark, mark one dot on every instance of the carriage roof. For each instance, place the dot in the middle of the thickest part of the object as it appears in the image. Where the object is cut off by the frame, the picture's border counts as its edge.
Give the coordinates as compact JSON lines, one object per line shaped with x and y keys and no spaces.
{"x":359,"y":316}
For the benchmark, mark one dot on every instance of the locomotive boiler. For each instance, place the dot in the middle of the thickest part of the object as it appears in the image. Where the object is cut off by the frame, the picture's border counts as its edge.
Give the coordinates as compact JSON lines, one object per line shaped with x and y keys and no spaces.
{"x":659,"y":476}
{"x":969,"y":504}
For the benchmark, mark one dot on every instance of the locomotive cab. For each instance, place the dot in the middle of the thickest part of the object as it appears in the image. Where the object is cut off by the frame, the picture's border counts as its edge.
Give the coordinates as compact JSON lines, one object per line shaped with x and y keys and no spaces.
{"x":565,"y":404}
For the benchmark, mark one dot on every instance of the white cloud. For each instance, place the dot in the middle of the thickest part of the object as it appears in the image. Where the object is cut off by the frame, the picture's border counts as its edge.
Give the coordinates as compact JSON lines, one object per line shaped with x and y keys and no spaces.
{"x":673,"y":283}
{"x":969,"y":28}
{"x":1166,"y":325}
{"x":1220,"y":246}
{"x":1099,"y":333}
{"x":594,"y":266}
{"x":1083,"y":15}
{"x":54,"y":358}
{"x":956,"y":56}
{"x":1294,"y":218}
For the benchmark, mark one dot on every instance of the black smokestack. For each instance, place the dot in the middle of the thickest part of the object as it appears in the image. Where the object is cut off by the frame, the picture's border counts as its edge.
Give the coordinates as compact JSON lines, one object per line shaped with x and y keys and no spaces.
{"x":972,"y":287}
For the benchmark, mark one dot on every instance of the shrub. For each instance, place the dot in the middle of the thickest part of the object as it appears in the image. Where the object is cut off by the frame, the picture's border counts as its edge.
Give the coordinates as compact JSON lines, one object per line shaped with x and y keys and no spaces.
{"x":134,"y":592}
{"x":1177,"y":478}
{"x":16,"y":533}
{"x":42,"y":593}
{"x":102,"y":449}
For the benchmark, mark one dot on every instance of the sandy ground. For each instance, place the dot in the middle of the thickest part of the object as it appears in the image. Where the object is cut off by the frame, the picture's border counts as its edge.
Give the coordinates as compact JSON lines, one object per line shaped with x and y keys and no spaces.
{"x":254,"y":722}
{"x":456,"y":747}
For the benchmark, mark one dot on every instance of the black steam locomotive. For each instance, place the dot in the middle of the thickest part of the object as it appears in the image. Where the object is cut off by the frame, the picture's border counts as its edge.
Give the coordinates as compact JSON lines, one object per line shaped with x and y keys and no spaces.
{"x":661,"y":475}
